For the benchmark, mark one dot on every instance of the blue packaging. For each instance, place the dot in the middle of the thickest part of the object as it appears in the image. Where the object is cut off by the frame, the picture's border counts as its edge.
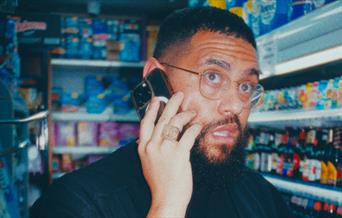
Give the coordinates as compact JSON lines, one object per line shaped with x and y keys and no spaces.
{"x":235,"y":6}
{"x":299,"y":8}
{"x":85,"y":48}
{"x":8,"y":191}
{"x":100,"y":29}
{"x":70,"y":26}
{"x":93,"y":86}
{"x":113,"y":29}
{"x":71,"y":47}
{"x":130,"y":40}
{"x":131,"y":47}
{"x":11,"y":34}
{"x":273,"y":14}
{"x":85,"y":28}
{"x":96,"y":104}
{"x":99,"y":50}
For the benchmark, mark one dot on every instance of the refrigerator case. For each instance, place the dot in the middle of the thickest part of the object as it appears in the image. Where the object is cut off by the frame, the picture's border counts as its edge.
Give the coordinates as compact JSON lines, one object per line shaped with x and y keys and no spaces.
{"x":14,"y":141}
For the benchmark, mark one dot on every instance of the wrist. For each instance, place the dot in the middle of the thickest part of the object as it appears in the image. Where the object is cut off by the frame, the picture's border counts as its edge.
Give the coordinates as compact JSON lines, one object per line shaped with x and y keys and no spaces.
{"x":167,"y":209}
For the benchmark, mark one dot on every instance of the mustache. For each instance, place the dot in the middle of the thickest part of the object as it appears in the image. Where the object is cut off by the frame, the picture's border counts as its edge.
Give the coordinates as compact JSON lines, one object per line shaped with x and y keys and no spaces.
{"x":227,"y":120}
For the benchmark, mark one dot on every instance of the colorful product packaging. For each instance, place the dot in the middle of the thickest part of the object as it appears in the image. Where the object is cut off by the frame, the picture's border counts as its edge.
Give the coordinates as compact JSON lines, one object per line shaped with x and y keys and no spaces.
{"x":65,"y":133}
{"x":87,"y":133}
{"x":273,"y":14}
{"x":128,"y":132}
{"x":299,"y":8}
{"x":109,"y":134}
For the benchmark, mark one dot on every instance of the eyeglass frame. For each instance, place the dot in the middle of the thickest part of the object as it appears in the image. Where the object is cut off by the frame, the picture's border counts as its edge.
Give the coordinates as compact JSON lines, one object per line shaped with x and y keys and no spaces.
{"x":252,"y":105}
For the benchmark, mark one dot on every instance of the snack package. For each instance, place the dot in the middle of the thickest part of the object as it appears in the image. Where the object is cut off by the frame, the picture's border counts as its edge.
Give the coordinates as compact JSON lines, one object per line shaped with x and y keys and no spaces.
{"x":65,"y":134}
{"x":109,"y":134}
{"x":128,"y":132}
{"x":87,"y":133}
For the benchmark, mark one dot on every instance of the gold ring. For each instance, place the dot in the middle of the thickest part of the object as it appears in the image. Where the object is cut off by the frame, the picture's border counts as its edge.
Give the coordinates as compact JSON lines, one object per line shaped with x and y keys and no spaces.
{"x":170,"y":133}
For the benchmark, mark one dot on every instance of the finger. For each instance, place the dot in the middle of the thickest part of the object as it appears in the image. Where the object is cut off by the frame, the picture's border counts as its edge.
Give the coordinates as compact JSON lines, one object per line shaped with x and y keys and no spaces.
{"x":179,"y":121}
{"x":188,"y":138}
{"x":170,"y":110}
{"x":147,"y":123}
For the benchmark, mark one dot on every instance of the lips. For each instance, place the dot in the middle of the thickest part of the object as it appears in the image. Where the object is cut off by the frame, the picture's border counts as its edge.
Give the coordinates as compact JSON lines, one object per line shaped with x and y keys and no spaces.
{"x":225,"y":134}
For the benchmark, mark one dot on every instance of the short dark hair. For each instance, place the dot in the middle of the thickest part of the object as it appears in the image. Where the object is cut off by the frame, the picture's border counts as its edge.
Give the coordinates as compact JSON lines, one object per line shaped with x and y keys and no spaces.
{"x":184,"y":23}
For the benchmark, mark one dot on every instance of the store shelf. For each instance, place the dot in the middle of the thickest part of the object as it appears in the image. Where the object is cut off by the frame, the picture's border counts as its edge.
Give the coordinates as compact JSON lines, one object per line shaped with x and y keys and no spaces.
{"x":297,"y":118}
{"x":312,"y":40}
{"x":300,"y":188}
{"x":78,"y":149}
{"x":95,"y":63}
{"x":107,"y":116}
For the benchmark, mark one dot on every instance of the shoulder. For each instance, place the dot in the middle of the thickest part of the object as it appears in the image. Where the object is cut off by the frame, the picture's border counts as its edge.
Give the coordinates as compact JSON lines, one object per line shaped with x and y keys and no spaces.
{"x":254,"y":186}
{"x":120,"y":168}
{"x":84,"y":190}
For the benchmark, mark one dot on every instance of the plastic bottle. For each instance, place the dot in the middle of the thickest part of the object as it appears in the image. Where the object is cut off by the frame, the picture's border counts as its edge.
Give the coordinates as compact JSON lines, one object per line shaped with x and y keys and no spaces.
{"x":273,"y":14}
{"x":299,"y":8}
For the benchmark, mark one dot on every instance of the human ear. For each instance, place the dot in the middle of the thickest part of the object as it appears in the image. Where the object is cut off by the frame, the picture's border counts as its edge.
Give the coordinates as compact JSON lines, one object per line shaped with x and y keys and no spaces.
{"x":150,"y":65}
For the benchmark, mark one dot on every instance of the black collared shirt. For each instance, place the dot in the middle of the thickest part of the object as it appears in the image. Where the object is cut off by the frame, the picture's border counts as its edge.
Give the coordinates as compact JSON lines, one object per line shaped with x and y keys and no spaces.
{"x":115,"y":187}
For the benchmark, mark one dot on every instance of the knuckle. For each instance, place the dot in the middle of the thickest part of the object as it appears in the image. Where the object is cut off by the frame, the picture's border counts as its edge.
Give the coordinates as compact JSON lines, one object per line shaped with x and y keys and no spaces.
{"x":162,"y":119}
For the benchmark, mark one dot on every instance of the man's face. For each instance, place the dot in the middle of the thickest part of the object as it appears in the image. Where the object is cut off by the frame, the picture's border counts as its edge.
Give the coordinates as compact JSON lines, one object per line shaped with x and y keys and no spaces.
{"x":225,"y":118}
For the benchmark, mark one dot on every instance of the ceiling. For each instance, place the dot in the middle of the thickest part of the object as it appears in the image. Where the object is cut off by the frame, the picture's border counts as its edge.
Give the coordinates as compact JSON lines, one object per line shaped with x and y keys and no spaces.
{"x":152,"y":9}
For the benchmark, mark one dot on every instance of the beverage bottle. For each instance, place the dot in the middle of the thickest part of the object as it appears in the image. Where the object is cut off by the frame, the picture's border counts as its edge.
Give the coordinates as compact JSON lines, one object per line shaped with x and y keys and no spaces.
{"x":333,"y":159}
{"x":263,"y":142}
{"x":324,"y":156}
{"x":275,"y":152}
{"x":273,"y":14}
{"x":315,"y":165}
{"x":307,"y":155}
{"x":299,"y":8}
{"x":271,"y":150}
{"x":250,"y":150}
{"x":317,"y":209}
{"x":290,"y":152}
{"x":256,"y":162}
{"x":339,"y":208}
{"x":297,"y":154}
{"x":338,"y":156}
{"x":281,"y":167}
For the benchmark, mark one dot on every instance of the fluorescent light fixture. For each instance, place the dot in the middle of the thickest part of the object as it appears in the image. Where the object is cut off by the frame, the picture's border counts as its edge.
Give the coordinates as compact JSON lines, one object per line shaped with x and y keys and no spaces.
{"x":311,"y":60}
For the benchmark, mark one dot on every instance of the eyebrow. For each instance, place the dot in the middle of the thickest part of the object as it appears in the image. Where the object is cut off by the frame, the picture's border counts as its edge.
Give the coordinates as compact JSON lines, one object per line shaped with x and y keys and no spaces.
{"x":225,"y":65}
{"x":221,"y":63}
{"x":254,"y":71}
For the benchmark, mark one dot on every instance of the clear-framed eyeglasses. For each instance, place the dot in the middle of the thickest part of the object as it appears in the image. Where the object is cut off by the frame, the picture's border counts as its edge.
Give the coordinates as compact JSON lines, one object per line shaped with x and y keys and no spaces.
{"x":213,"y":85}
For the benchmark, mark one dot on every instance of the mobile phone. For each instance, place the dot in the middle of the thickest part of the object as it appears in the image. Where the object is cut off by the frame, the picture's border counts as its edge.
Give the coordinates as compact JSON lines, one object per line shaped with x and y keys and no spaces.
{"x":155,"y":84}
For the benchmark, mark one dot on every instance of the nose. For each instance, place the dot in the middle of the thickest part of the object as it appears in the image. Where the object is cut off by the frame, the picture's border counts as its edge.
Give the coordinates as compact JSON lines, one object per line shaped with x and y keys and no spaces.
{"x":230,"y":103}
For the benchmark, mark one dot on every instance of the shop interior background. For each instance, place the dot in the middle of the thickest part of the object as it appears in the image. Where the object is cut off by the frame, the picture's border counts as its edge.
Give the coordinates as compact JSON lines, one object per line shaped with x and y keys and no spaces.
{"x":67,"y":68}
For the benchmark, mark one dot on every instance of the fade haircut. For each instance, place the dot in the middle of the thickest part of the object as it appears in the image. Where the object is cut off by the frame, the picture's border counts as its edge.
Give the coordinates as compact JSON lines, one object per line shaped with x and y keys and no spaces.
{"x":182,"y":24}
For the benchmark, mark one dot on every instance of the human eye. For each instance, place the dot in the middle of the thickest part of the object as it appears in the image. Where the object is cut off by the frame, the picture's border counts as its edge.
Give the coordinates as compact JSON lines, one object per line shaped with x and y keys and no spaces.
{"x":246,"y":88}
{"x":213,"y":78}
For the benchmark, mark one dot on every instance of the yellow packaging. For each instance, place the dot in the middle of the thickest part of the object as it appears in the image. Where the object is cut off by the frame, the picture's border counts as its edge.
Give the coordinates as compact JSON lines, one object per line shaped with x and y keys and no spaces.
{"x":218,"y":3}
{"x":324,"y":173}
{"x":332,"y":173}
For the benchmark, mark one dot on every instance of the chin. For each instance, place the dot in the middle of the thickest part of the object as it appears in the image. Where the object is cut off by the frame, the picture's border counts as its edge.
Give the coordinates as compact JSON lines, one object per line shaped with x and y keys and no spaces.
{"x":216,"y":153}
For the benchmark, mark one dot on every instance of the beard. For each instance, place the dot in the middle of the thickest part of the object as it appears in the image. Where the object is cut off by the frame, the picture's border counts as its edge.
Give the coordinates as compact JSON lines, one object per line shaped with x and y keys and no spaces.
{"x":215,"y":172}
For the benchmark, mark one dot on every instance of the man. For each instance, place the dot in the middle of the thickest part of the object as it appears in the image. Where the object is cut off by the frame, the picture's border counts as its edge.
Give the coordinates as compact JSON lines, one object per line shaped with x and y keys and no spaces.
{"x":190,"y":162}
